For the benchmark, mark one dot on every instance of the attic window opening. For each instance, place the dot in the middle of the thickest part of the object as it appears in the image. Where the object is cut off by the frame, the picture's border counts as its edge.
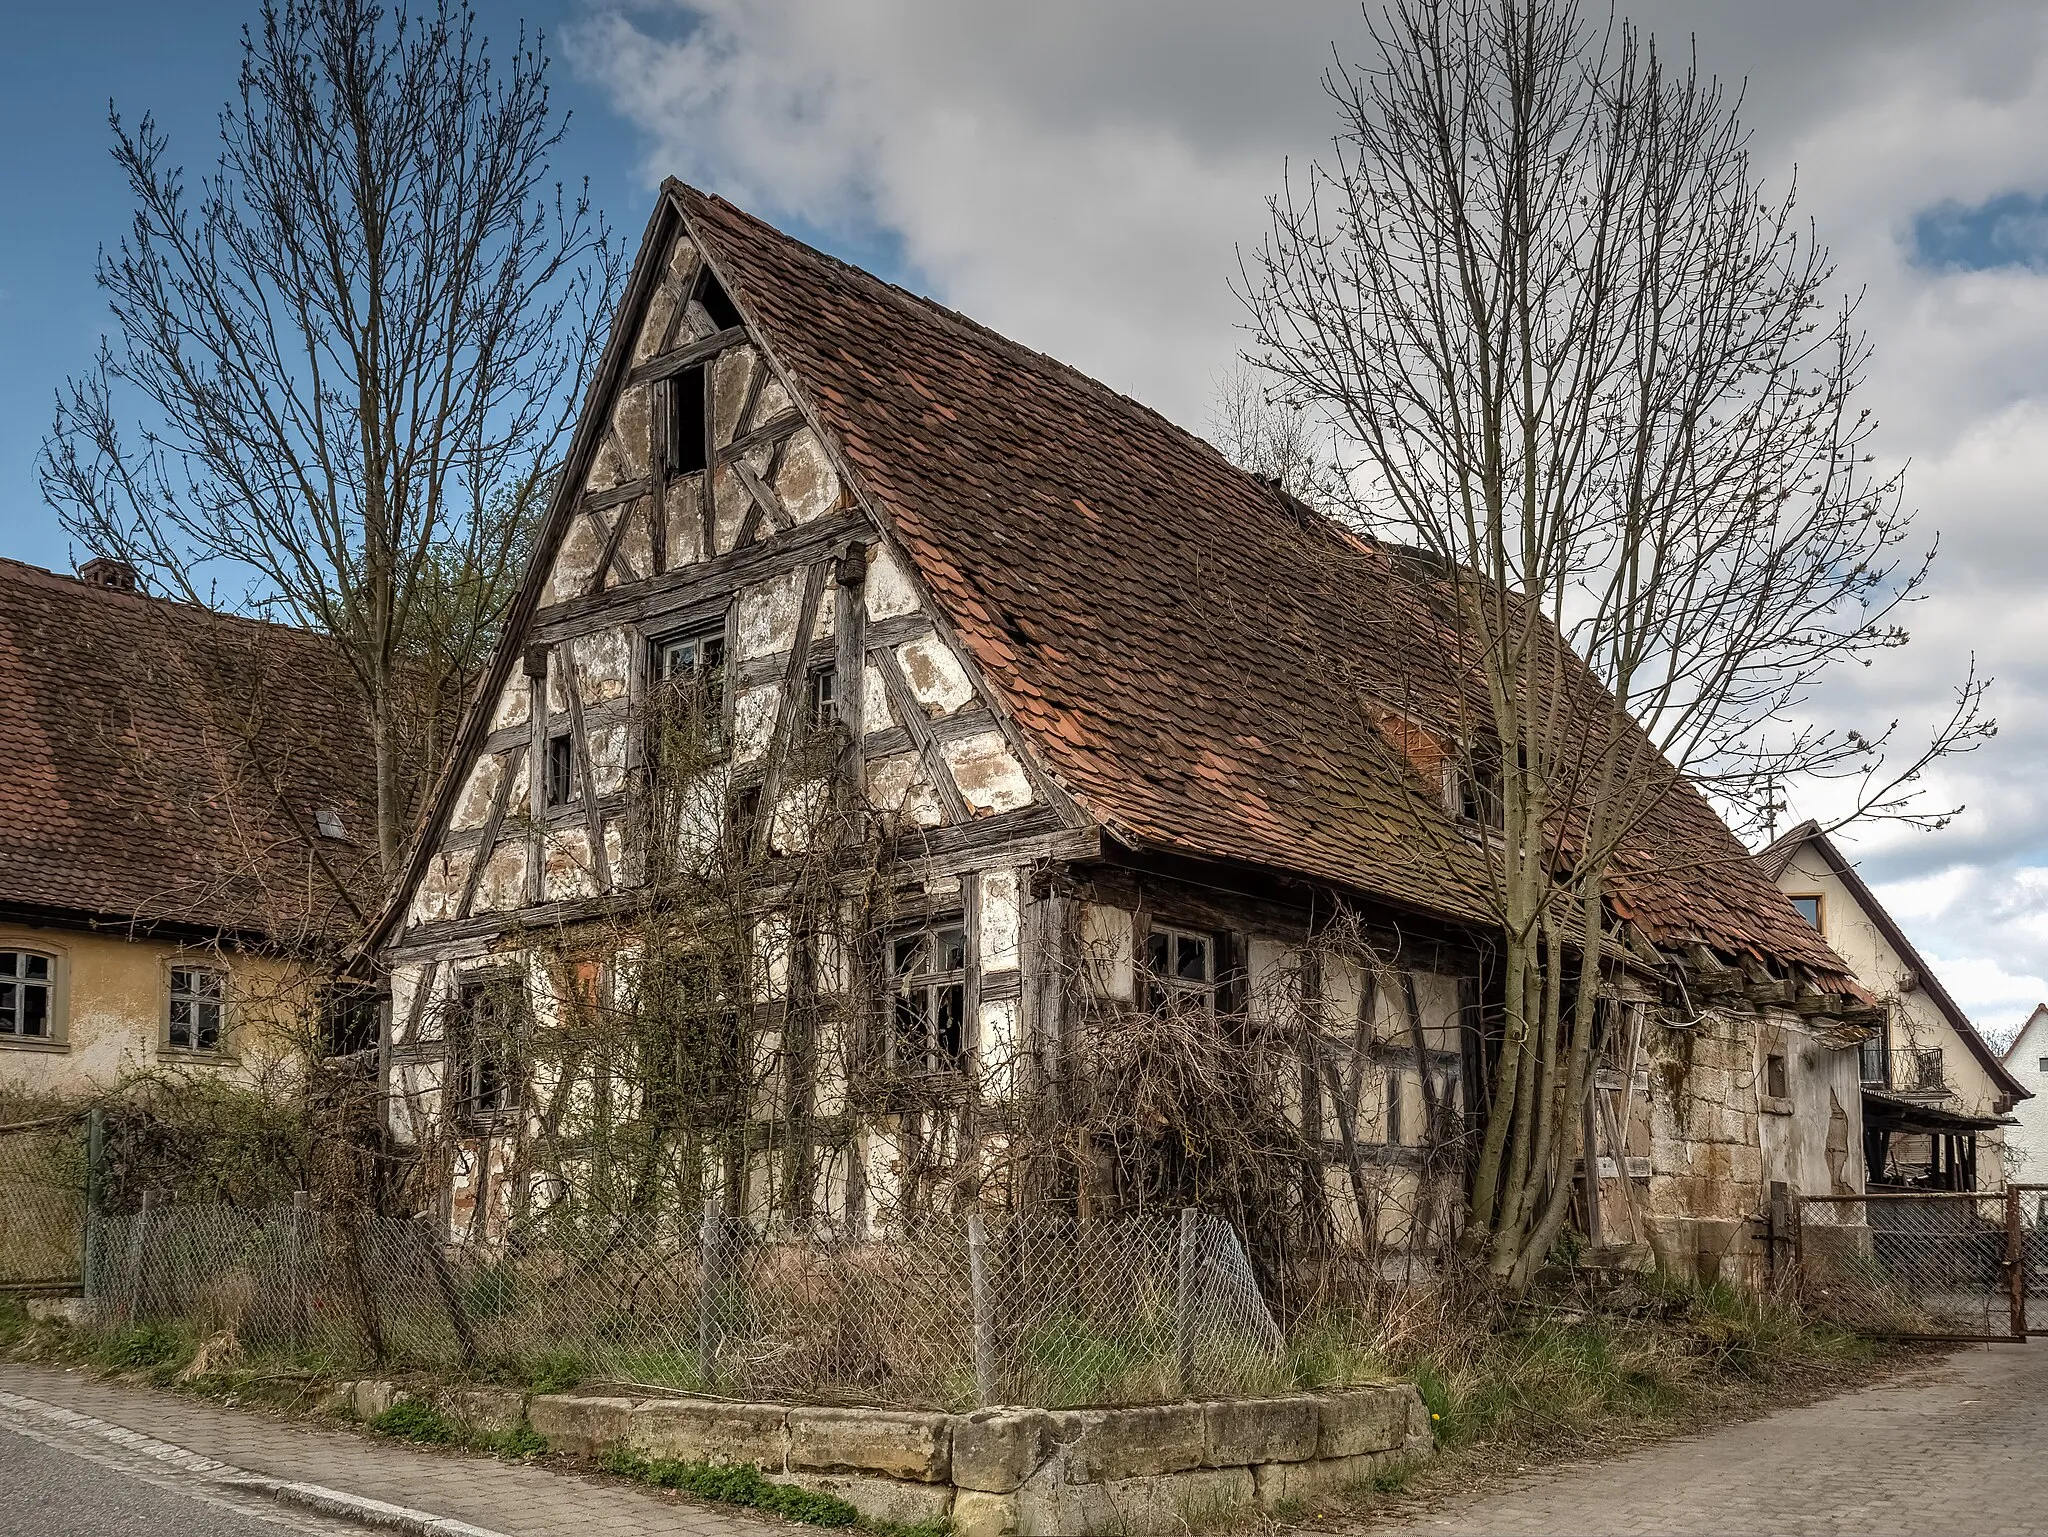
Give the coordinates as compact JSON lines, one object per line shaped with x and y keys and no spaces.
{"x":1478,"y":783}
{"x":1808,"y":907}
{"x":717,"y":302}
{"x":688,"y":447}
{"x":561,"y":770}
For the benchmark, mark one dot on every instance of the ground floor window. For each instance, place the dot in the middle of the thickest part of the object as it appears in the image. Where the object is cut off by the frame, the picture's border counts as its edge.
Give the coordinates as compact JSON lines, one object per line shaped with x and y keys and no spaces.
{"x":27,"y":991}
{"x":197,"y":993}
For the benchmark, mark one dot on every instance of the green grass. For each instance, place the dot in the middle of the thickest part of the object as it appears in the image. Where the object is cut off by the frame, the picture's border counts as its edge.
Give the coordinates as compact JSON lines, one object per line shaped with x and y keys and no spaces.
{"x":414,"y":1419}
{"x":738,"y":1484}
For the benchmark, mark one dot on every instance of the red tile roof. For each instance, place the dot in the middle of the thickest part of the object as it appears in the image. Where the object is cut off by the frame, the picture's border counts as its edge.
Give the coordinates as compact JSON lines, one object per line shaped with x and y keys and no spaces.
{"x":166,"y":763}
{"x":1186,"y":650}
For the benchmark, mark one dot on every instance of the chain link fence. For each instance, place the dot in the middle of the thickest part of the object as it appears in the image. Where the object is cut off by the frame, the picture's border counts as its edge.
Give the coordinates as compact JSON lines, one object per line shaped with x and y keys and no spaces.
{"x":42,"y":1205}
{"x":1932,"y":1264}
{"x":1034,"y":1309}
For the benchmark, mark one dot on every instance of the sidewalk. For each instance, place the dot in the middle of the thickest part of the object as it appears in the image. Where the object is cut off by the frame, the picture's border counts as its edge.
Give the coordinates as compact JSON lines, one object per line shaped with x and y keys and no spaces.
{"x":513,"y":1499}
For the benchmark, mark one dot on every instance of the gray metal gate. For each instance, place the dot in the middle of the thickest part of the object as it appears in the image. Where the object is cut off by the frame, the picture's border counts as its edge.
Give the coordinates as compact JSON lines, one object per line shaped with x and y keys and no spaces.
{"x":1920,"y":1264}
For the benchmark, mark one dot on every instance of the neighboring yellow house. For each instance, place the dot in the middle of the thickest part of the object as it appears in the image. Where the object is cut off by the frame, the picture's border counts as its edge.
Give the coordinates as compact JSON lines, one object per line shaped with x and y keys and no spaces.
{"x":184,"y":832}
{"x":1936,"y":1098}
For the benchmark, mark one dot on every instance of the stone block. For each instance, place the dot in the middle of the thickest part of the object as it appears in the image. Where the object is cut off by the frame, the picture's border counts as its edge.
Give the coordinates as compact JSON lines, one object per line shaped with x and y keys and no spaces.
{"x":1104,"y":1444}
{"x":373,"y":1397}
{"x":710,"y":1432}
{"x":1242,"y":1431}
{"x":491,"y":1411}
{"x":337,"y":1401}
{"x":1369,"y":1419}
{"x":1292,"y":1484}
{"x":882,"y":1499}
{"x":581,"y":1427}
{"x":997,"y":1449}
{"x":1199,"y":1500}
{"x":981,"y":1513}
{"x":893,"y":1444}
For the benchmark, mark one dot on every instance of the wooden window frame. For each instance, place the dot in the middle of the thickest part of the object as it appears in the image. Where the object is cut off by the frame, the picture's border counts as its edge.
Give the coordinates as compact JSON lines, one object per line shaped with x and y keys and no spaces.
{"x":470,"y":1059}
{"x":663,"y":683}
{"x":56,"y":1023}
{"x":1158,"y":989}
{"x":174,"y":994}
{"x":1819,"y":920}
{"x":913,"y":980}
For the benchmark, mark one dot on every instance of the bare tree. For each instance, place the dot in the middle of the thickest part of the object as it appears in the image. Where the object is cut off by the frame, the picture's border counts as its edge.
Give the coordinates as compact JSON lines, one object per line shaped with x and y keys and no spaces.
{"x":1266,"y":436}
{"x":1581,"y":362}
{"x":355,"y":349}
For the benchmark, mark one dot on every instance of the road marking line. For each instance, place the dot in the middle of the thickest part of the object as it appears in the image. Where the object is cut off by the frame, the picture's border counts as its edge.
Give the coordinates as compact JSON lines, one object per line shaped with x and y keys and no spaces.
{"x":315,"y":1497}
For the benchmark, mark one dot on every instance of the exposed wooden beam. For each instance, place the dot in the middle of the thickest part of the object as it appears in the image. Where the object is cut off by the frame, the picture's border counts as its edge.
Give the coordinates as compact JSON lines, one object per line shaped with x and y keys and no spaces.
{"x":913,"y":719}
{"x":579,"y":751}
{"x":672,"y":363}
{"x":487,"y":840}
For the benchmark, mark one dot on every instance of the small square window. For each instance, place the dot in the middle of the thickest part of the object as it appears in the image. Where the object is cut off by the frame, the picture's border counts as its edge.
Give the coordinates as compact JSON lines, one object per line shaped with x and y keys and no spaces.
{"x":561,"y":784}
{"x":1775,"y":1077}
{"x":691,"y":672}
{"x":196,"y":995}
{"x":2044,"y":1064}
{"x":1808,"y":907}
{"x":25,"y":995}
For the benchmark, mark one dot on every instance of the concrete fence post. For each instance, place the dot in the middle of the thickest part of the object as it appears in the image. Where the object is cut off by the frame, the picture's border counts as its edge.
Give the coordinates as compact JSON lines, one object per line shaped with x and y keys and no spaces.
{"x":89,"y":1278}
{"x":984,"y":1312}
{"x":1184,"y":1302}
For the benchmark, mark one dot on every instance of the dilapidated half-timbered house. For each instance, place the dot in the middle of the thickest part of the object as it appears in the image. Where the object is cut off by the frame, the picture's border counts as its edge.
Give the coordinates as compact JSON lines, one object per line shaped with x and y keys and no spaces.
{"x":913,"y":772}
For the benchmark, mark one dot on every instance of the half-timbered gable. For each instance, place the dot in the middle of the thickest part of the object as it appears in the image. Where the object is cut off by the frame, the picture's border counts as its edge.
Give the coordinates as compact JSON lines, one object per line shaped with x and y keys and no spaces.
{"x":1018,"y":713}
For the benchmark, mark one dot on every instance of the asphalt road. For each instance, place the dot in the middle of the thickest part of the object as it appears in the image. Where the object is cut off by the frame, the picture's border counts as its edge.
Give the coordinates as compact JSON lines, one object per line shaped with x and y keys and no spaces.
{"x":55,"y":1484}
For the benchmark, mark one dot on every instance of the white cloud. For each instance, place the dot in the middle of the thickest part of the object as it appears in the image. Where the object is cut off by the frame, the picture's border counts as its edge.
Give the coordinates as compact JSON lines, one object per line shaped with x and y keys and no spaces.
{"x":1079,"y":175}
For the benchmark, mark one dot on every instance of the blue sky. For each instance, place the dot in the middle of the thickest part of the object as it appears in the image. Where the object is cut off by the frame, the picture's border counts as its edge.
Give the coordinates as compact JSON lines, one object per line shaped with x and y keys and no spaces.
{"x":1080,"y":173}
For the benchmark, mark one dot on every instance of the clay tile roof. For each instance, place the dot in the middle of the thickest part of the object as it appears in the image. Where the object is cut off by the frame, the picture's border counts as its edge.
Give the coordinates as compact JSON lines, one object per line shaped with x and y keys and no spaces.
{"x":166,"y":765}
{"x":1186,"y":650}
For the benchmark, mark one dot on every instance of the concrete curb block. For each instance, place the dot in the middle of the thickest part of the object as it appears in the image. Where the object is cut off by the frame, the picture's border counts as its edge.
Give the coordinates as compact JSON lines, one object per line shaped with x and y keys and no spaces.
{"x":359,"y":1508}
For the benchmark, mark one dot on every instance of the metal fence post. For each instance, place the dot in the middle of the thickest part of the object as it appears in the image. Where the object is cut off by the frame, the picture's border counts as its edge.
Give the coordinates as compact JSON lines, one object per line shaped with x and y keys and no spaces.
{"x":984,"y":1313}
{"x":1184,"y":1304}
{"x":297,"y":1261}
{"x":709,"y":1284}
{"x":138,"y":1255}
{"x":2015,"y":1268}
{"x":89,"y":1259}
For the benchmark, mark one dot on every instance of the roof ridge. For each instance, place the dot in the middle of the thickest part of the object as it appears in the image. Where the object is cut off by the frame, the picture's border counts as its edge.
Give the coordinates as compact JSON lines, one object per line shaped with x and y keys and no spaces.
{"x":71,"y":585}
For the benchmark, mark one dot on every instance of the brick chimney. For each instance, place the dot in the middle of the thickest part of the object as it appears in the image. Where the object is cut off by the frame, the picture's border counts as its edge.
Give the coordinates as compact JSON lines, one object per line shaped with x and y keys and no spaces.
{"x":105,"y":571}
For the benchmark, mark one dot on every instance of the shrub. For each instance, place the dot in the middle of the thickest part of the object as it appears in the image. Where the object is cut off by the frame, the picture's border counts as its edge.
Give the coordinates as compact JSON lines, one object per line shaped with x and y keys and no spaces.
{"x":413,"y":1419}
{"x":738,"y":1484}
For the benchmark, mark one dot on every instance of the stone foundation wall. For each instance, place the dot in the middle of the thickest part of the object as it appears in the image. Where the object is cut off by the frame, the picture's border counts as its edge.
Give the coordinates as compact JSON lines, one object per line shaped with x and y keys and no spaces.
{"x":1001,"y":1472}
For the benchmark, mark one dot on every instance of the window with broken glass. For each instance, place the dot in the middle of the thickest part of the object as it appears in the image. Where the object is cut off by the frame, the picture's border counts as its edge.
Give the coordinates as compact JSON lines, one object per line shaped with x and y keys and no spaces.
{"x":197,"y":993}
{"x":689,"y":673}
{"x":1180,"y":970}
{"x":483,"y":1074}
{"x":928,"y":971}
{"x":27,"y":991}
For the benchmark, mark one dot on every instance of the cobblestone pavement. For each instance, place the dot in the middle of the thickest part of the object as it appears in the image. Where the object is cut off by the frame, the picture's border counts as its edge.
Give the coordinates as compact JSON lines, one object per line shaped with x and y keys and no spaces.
{"x":503,"y":1497}
{"x":1953,"y":1448}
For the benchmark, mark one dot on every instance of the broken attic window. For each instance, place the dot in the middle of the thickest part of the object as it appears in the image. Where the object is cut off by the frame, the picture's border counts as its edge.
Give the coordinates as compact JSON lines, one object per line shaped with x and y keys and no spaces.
{"x":327,"y":822}
{"x":196,"y":993}
{"x":692,"y":668}
{"x":717,"y":302}
{"x":1776,"y":1084}
{"x":824,"y":684}
{"x":929,"y":971}
{"x":688,"y":449}
{"x":1808,"y":907}
{"x":25,"y":988}
{"x":561,"y":785}
{"x":1180,"y":969}
{"x":1478,"y":776}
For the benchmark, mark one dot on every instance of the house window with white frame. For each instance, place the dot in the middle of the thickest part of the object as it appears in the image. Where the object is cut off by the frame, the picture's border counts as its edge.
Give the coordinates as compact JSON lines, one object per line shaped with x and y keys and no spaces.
{"x":198,"y":995}
{"x":28,"y":996}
